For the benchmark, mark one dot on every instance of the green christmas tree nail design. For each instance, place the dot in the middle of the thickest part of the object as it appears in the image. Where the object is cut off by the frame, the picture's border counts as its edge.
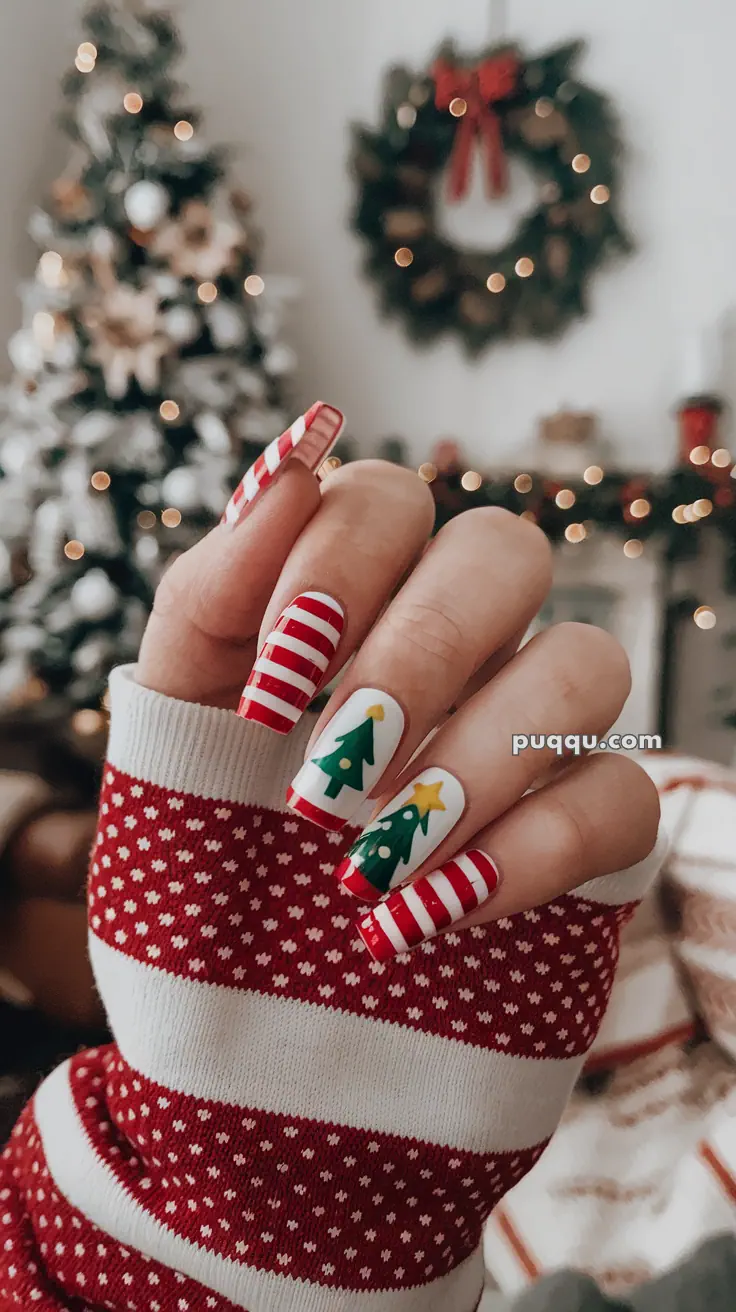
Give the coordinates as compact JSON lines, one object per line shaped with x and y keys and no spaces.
{"x":403,"y":834}
{"x":354,"y":749}
{"x":348,"y":759}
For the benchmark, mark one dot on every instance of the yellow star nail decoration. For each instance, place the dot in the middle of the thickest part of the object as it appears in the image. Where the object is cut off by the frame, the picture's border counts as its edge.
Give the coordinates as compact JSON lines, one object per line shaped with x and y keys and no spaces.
{"x":374,"y":712}
{"x":426,"y":797}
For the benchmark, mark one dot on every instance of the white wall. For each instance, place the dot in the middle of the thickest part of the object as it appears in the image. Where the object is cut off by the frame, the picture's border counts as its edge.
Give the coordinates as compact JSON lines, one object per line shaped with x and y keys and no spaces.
{"x":282,"y":80}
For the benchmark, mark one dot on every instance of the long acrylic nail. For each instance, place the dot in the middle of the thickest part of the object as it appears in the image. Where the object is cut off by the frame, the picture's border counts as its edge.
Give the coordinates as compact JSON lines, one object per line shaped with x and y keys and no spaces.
{"x":414,"y":914}
{"x":310,"y":440}
{"x":403,"y":834}
{"x":349,"y":756}
{"x":292,"y":661}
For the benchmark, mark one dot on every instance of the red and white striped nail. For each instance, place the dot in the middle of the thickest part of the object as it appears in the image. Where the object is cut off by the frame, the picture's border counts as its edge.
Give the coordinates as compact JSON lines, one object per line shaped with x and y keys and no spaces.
{"x":414,"y":914}
{"x":310,"y":440}
{"x":292,"y":661}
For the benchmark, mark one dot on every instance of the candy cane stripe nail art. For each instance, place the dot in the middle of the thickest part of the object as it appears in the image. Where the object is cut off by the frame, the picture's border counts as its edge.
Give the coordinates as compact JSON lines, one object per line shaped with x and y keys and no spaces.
{"x":416,"y":913}
{"x":292,"y":662}
{"x":310,"y":438}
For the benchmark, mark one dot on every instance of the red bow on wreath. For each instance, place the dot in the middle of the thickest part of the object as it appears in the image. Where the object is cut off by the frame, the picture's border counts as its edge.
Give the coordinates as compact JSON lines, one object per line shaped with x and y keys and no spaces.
{"x":480,"y":88}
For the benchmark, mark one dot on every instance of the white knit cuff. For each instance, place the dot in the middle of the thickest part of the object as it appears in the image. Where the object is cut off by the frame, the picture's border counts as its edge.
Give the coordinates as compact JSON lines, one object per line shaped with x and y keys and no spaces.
{"x":200,"y":750}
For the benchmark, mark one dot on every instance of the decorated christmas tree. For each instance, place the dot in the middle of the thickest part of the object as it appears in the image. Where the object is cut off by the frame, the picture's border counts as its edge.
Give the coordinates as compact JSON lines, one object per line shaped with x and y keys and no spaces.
{"x":344,"y":765}
{"x":148,"y":370}
{"x":382,"y":848}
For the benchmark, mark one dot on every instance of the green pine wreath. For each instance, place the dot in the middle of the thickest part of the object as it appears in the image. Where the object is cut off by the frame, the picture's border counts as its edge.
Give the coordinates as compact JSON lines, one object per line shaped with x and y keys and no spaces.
{"x":536,"y":283}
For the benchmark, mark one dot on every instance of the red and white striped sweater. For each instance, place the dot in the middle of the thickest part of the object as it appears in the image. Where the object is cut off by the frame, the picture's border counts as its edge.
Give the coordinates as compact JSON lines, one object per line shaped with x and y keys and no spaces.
{"x":283,"y":1124}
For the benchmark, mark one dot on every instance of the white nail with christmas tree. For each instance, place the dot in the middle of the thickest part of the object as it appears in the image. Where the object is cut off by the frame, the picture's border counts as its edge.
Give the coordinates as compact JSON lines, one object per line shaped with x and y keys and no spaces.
{"x":348,"y":758}
{"x":403,"y":834}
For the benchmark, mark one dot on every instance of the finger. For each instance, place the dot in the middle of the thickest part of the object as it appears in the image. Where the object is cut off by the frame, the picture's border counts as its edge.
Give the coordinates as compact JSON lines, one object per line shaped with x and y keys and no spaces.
{"x":200,"y":639}
{"x":601,"y":816}
{"x":372,"y":521}
{"x":572,"y":676}
{"x":480,"y":582}
{"x":198,"y":643}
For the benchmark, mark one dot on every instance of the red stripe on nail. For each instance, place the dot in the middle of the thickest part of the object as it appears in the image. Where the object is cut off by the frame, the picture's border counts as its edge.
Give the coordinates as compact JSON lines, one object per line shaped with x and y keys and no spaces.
{"x":323,"y":612}
{"x":433,"y":903}
{"x":280,"y":688}
{"x":351,"y":879}
{"x":486,"y":868}
{"x":312,"y":812}
{"x":291,"y":660}
{"x":256,"y":711}
{"x":461,"y":886}
{"x":376,"y":940}
{"x":294,"y":628}
{"x":404,"y":919}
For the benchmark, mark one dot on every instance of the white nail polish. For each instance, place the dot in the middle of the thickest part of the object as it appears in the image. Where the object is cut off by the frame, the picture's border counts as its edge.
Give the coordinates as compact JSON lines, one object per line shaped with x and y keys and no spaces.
{"x":348,"y":758}
{"x":403,"y":834}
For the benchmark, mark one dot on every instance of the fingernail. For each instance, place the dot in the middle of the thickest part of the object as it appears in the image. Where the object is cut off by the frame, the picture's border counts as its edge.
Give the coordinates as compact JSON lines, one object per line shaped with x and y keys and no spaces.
{"x":414,"y":914}
{"x":292,"y":661}
{"x":347,"y":758}
{"x":310,"y":440}
{"x":403,"y":834}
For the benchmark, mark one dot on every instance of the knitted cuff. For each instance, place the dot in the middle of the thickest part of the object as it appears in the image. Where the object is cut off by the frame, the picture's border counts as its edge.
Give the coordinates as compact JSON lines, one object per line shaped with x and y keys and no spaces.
{"x":200,"y":750}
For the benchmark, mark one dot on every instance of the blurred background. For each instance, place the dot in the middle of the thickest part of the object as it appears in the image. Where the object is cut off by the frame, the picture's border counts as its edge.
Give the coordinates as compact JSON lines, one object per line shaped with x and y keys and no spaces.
{"x":498,"y":235}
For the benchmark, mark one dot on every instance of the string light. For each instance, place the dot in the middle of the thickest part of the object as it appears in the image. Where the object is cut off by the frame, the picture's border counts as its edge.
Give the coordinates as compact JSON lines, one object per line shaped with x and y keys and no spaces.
{"x":74,"y":550}
{"x":146,"y":519}
{"x":576,"y":533}
{"x":427,"y":472}
{"x":404,"y":256}
{"x":524,"y":267}
{"x":633,"y":548}
{"x":544,"y":107}
{"x":593,"y":475}
{"x":679,"y":514}
{"x":702,"y":507}
{"x":254,"y":284}
{"x":44,"y":329}
{"x":406,"y":116}
{"x":171,"y":517}
{"x":523,"y":483}
{"x":87,"y":722}
{"x":207,"y":292}
{"x":640,"y":508}
{"x":689,"y":514}
{"x":721,"y":458}
{"x":565,"y":499}
{"x":700,"y":455}
{"x":86,"y":57}
{"x":183,"y":130}
{"x":100,"y":480}
{"x":169,"y":411}
{"x":528,"y":514}
{"x":495,"y":282}
{"x":705,"y":617}
{"x":51,"y":269}
{"x":458,"y":107}
{"x":133,"y":102}
{"x":581,"y":163}
{"x":600,"y":194}
{"x":471,"y":481}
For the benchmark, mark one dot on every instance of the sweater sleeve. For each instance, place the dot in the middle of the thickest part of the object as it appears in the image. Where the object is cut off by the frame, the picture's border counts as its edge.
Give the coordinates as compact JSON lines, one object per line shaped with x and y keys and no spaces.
{"x":283,"y":1124}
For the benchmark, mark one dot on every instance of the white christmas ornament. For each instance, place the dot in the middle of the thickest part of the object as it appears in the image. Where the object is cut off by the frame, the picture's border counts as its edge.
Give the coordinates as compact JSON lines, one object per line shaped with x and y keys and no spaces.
{"x":227,"y":325}
{"x":145,"y":204}
{"x":93,"y":596}
{"x":180,"y":487}
{"x":281,"y":359}
{"x":213,"y":433}
{"x":181,"y":324}
{"x":25,"y":353}
{"x":93,"y":428}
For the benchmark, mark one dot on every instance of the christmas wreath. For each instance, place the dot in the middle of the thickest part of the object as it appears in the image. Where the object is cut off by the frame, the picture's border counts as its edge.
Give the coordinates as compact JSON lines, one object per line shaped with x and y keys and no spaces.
{"x":503,"y":105}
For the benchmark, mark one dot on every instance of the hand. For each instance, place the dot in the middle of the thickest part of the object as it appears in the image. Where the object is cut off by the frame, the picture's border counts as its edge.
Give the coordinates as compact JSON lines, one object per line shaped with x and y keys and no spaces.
{"x":447,"y":639}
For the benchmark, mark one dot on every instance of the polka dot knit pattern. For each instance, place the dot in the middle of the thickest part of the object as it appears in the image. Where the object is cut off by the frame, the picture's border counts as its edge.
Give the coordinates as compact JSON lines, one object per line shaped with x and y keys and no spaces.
{"x":283,"y":1124}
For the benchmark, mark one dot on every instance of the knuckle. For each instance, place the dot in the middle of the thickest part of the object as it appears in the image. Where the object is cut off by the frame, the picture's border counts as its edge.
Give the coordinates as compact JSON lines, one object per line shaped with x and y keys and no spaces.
{"x":429,"y":629}
{"x":587,"y":657}
{"x":566,"y":833}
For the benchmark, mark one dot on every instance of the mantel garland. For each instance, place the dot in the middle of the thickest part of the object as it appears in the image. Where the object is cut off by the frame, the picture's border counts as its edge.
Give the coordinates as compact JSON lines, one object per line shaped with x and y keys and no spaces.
{"x":503,"y":105}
